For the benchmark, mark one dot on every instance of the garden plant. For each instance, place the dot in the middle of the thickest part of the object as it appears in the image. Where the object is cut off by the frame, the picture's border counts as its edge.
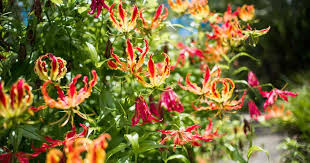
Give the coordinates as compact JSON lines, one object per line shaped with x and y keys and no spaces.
{"x":134,"y":81}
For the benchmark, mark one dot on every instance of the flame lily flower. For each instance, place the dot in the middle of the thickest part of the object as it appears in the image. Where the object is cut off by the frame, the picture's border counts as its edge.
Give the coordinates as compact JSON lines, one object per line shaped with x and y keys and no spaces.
{"x":157,"y":75}
{"x":158,"y":18}
{"x":208,"y":131}
{"x":229,"y":33}
{"x":75,"y":147}
{"x":229,"y":15}
{"x":142,"y":111}
{"x":183,"y":136}
{"x":214,"y":52}
{"x":97,"y":148}
{"x":192,"y":51}
{"x":73,"y":98}
{"x":199,"y":9}
{"x":7,"y":157}
{"x":170,"y":100}
{"x":222,"y":100}
{"x":180,"y":6}
{"x":123,"y":24}
{"x":57,"y":68}
{"x":194,"y":88}
{"x":70,"y":136}
{"x":19,"y":100}
{"x":246,"y":12}
{"x":70,"y":102}
{"x":273,"y":95}
{"x":275,"y":112}
{"x":132,"y":65}
{"x":97,"y":5}
{"x":208,"y":134}
{"x":254,"y":112}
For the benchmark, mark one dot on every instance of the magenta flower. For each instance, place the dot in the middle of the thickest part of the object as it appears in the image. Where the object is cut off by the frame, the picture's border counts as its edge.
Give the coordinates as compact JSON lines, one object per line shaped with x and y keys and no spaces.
{"x":154,"y":107}
{"x":183,"y":136}
{"x":272,"y":96}
{"x":254,"y":112}
{"x":252,"y":79}
{"x":170,"y":100}
{"x":97,"y":5}
{"x":142,"y":111}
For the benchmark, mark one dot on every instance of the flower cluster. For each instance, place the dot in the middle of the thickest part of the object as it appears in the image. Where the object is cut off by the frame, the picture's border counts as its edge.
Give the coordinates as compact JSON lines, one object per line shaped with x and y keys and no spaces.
{"x":270,"y":107}
{"x":227,"y":31}
{"x":210,"y":93}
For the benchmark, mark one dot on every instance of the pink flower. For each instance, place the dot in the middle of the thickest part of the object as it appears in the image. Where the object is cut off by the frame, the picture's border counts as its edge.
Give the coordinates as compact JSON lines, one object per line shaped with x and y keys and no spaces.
{"x":154,"y":107}
{"x":97,"y":5}
{"x":252,"y":80}
{"x":208,"y":134}
{"x":142,"y":112}
{"x":272,"y":96}
{"x":254,"y":112}
{"x":170,"y":100}
{"x":183,"y":136}
{"x":192,"y":51}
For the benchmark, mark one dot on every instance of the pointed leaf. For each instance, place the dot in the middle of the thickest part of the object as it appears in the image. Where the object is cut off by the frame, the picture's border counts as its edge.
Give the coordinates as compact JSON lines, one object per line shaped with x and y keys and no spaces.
{"x":254,"y":149}
{"x":119,"y":148}
{"x":30,"y":132}
{"x":148,"y":145}
{"x":93,"y":53}
{"x":133,"y":139}
{"x":179,"y":157}
{"x":57,"y":2}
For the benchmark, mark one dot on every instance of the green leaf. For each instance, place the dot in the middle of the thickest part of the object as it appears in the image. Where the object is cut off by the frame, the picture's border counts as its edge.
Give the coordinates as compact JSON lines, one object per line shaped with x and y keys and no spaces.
{"x":133,"y":138}
{"x":120,"y":147}
{"x":99,"y":64}
{"x":93,"y":53}
{"x":254,"y":149}
{"x":30,"y":132}
{"x":148,"y":145}
{"x":243,"y":54}
{"x":234,"y":153}
{"x":179,"y":157}
{"x":240,"y":69}
{"x":242,"y":82}
{"x":57,"y":2}
{"x":82,"y":9}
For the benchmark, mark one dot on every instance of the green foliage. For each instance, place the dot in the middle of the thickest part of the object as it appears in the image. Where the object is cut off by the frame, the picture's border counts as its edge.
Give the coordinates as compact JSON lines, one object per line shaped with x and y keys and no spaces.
{"x":294,"y":151}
